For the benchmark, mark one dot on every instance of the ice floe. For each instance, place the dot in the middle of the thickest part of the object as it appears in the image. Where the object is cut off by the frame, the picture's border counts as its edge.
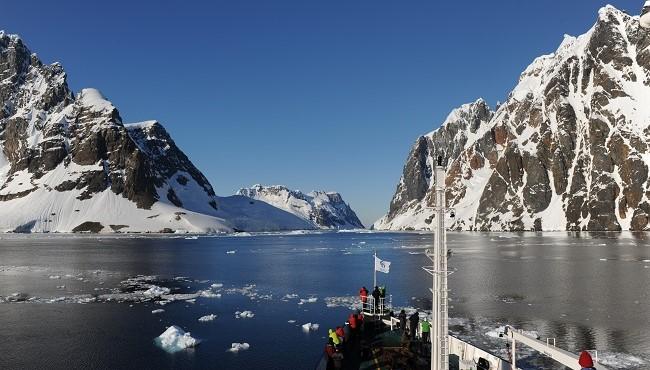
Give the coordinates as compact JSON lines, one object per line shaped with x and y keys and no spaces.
{"x":350,"y":302}
{"x":175,"y":339}
{"x":209,"y":294}
{"x":621,"y":361}
{"x":310,"y":327}
{"x":244,"y":315}
{"x":207,"y":318}
{"x":236,"y":347}
{"x":156,"y":291}
{"x":308,"y":300}
{"x":160,"y":310}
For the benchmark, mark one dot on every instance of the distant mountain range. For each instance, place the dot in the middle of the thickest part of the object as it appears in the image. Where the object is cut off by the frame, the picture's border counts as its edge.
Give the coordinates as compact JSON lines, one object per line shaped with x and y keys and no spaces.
{"x":568,"y":150}
{"x":322,"y":209}
{"x":68,"y":163}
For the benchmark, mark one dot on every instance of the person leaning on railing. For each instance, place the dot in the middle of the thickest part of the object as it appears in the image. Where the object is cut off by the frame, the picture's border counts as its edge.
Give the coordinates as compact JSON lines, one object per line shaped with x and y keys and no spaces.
{"x":585,"y":361}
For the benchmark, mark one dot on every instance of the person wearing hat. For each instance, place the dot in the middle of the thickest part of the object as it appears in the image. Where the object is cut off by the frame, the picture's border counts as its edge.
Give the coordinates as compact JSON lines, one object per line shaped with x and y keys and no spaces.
{"x":585,"y":361}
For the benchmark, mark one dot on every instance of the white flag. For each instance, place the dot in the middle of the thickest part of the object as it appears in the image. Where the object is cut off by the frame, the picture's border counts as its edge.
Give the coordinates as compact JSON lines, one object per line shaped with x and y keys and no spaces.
{"x":382,"y":266}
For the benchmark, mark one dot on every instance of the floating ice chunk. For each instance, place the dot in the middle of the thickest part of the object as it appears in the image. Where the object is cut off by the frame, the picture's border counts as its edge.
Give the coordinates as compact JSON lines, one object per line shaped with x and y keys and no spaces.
{"x":180,"y":296}
{"x":231,"y":252}
{"x":156,"y":291}
{"x":310,"y":327}
{"x":291,"y":296}
{"x":291,"y":321}
{"x":192,"y":300}
{"x":244,"y":315}
{"x":207,"y":318}
{"x":621,"y":361}
{"x":175,"y":339}
{"x":16,"y":297}
{"x":236,"y":347}
{"x":160,"y":310}
{"x":350,"y":302}
{"x":216,"y":286}
{"x":53,"y":277}
{"x":209,"y":294}
{"x":308,"y":300}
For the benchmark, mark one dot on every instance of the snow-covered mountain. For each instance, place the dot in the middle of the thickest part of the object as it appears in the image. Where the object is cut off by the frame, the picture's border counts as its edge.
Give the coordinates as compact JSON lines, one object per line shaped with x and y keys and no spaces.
{"x":568,"y":150}
{"x":324,"y":210}
{"x":69,"y":163}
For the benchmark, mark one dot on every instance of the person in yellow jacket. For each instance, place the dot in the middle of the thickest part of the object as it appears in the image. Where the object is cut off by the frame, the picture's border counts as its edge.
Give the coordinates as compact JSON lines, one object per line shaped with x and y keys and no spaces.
{"x":335,"y":338}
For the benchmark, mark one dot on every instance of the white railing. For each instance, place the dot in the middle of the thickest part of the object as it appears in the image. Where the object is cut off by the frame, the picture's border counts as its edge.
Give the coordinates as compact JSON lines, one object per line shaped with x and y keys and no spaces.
{"x":382,"y":308}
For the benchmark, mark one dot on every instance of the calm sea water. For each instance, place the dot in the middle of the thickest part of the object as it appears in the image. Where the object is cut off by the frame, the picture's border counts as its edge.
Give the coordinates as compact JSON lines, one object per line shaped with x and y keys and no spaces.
{"x":589,"y":291}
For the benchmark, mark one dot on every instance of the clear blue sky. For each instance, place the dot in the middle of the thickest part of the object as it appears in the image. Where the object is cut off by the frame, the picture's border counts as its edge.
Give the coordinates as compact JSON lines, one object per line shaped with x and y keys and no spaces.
{"x":327,"y":94}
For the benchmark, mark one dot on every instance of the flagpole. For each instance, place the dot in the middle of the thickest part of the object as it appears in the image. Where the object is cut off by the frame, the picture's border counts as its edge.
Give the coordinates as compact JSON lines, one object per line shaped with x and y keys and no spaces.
{"x":374,"y":270}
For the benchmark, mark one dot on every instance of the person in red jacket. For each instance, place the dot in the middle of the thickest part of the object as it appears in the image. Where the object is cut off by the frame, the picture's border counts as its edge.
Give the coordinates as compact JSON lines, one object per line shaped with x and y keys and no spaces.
{"x":352,"y":319}
{"x":341,"y":334}
{"x":363,"y":293}
{"x":585,"y":361}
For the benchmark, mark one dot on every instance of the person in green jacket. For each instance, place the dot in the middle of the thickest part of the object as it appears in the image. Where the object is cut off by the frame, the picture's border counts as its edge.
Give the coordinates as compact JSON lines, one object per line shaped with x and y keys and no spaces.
{"x":425,"y":328}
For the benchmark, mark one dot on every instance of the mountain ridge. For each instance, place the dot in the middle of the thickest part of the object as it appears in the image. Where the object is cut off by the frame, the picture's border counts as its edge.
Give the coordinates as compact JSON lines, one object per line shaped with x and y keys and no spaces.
{"x":568,"y":149}
{"x":68,"y":163}
{"x":325,"y":210}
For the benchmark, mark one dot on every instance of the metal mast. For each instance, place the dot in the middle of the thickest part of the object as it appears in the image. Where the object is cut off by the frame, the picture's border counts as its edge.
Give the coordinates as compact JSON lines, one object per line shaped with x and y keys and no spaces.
{"x":440,"y":327}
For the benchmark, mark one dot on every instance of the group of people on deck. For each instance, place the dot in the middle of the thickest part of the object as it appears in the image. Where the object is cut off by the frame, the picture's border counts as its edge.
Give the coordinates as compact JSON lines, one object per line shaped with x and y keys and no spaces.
{"x":378,"y":298}
{"x":339,"y":339}
{"x":410,"y":330}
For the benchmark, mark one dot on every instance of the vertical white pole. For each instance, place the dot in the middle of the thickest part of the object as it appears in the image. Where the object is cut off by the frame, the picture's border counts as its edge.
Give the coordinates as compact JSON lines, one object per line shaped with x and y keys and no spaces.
{"x":374,"y":269}
{"x":439,"y":343}
{"x":514,"y":354}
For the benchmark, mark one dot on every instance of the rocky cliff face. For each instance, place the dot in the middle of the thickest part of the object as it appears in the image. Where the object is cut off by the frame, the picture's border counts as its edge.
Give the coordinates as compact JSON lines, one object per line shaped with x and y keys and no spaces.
{"x":323,"y":210}
{"x":67,"y":160}
{"x":568,"y":150}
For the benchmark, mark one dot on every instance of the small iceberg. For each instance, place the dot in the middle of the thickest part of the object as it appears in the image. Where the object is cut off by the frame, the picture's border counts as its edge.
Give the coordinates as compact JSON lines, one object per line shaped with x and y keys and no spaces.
{"x":156,"y":291}
{"x":175,"y":339}
{"x":310,"y":327}
{"x":231,"y":252}
{"x":216,"y":286}
{"x":236,"y":347}
{"x":308,"y":300}
{"x":160,"y":310}
{"x":209,"y":294}
{"x":244,"y":315}
{"x":207,"y":318}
